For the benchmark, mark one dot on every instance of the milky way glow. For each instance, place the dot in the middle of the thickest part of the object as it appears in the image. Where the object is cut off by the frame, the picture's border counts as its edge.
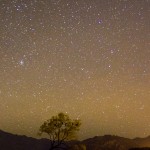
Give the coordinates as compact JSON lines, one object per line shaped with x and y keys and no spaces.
{"x":88,"y":58}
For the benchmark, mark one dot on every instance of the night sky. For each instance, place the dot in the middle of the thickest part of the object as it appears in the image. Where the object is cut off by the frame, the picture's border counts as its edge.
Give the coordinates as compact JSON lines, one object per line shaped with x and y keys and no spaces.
{"x":87,"y":58}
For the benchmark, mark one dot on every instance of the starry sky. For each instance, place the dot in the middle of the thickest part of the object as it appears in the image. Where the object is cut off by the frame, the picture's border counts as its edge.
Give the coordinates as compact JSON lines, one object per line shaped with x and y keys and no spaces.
{"x":87,"y":58}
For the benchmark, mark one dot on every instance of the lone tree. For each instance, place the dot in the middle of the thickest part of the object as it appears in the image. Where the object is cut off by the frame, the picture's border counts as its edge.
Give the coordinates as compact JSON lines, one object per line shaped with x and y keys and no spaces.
{"x":60,"y":128}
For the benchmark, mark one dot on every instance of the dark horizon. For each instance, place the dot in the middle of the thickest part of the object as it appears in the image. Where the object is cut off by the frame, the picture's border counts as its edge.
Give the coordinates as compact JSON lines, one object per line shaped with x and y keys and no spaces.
{"x":18,"y":142}
{"x":44,"y":136}
{"x":78,"y":139}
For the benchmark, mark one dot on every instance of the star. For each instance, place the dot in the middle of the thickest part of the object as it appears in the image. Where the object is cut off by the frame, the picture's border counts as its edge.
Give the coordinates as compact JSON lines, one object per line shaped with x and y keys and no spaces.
{"x":21,"y":62}
{"x":87,"y":58}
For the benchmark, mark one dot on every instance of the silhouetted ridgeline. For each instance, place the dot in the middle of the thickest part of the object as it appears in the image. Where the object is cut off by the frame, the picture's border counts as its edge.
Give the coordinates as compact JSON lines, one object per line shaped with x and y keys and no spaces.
{"x":16,"y":142}
{"x":144,"y":142}
{"x":144,"y":148}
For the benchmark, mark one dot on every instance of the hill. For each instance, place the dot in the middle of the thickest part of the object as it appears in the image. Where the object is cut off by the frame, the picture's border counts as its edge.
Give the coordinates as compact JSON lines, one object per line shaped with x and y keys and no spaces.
{"x":143,"y":142}
{"x":10,"y":141}
{"x":109,"y":142}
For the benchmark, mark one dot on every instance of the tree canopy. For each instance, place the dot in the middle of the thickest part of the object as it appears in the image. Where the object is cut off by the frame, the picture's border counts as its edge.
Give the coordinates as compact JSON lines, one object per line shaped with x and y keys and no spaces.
{"x":60,"y":128}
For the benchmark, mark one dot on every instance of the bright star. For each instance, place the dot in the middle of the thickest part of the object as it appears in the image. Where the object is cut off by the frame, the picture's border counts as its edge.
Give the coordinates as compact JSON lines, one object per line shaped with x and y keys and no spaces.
{"x":21,"y":62}
{"x":100,"y":21}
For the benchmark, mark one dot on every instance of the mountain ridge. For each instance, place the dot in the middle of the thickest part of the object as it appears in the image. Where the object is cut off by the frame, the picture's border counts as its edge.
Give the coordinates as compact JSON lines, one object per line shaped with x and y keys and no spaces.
{"x":107,"y":142}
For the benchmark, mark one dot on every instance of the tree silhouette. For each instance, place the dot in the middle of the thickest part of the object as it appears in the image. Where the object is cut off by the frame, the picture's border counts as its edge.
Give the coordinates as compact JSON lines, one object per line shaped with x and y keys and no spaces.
{"x":60,"y":128}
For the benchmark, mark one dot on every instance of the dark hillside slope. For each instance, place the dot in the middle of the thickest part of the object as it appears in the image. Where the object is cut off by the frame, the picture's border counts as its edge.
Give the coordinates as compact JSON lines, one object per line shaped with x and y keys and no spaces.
{"x":10,"y":141}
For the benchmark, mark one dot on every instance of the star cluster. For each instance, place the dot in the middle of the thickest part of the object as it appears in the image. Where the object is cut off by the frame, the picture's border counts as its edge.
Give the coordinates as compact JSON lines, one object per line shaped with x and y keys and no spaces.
{"x":90,"y":59}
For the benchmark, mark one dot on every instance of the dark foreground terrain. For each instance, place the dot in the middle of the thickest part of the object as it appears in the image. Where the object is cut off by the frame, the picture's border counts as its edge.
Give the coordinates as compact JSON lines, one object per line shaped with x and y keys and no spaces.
{"x":16,"y":142}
